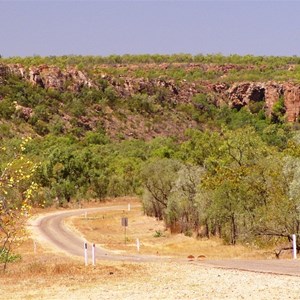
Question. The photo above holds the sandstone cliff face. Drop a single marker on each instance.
(53, 77)
(169, 91)
(241, 94)
(236, 95)
(291, 94)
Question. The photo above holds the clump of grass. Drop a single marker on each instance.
(158, 233)
(36, 268)
(188, 233)
(50, 269)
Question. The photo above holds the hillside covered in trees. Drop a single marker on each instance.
(210, 143)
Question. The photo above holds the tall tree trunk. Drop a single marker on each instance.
(207, 229)
(233, 230)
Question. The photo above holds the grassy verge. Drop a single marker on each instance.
(105, 230)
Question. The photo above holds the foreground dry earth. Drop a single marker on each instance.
(44, 273)
(149, 281)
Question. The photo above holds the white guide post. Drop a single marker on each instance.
(128, 206)
(85, 254)
(93, 254)
(138, 245)
(294, 247)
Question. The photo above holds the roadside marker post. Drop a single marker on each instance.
(85, 254)
(128, 206)
(85, 215)
(294, 247)
(125, 224)
(93, 254)
(138, 245)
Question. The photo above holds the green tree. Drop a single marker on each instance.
(158, 177)
(228, 180)
(183, 207)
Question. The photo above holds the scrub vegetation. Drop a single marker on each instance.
(233, 174)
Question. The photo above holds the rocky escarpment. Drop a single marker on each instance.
(125, 86)
(235, 95)
(51, 76)
(242, 94)
(165, 89)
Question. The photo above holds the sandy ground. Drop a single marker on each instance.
(156, 281)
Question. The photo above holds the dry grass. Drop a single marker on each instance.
(43, 274)
(57, 269)
(41, 268)
(105, 230)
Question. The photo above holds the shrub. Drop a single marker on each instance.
(158, 233)
(6, 109)
(41, 127)
(7, 257)
(278, 111)
(256, 107)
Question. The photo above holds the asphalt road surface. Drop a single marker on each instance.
(50, 229)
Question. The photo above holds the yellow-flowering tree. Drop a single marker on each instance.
(16, 190)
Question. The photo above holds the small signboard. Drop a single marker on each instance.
(124, 222)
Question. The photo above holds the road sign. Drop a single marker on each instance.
(124, 222)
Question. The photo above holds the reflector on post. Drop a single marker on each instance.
(85, 254)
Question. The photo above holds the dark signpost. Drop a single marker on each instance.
(125, 224)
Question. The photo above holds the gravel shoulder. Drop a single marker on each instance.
(162, 281)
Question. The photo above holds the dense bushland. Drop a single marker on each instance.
(234, 174)
(248, 67)
(154, 58)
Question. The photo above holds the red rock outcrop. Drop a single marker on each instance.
(291, 95)
(53, 77)
(240, 94)
(168, 89)
(23, 112)
(236, 95)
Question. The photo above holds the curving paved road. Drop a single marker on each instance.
(50, 229)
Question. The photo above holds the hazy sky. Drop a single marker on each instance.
(137, 27)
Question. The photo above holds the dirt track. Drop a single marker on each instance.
(50, 229)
